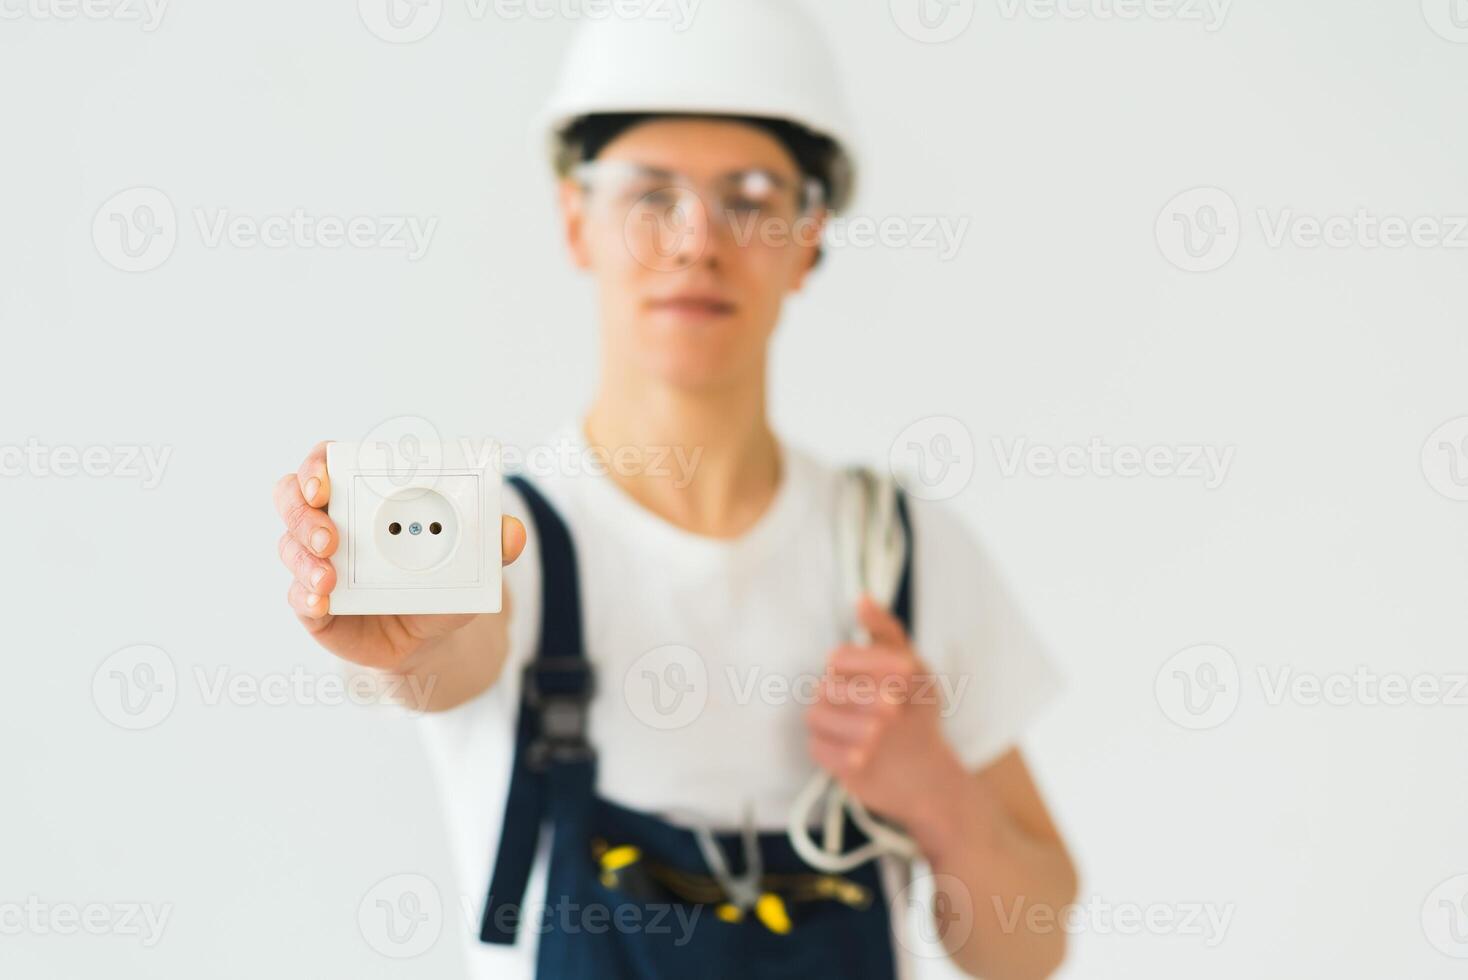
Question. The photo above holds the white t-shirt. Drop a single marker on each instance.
(705, 652)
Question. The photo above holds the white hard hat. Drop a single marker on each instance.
(762, 58)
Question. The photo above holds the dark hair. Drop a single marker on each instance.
(815, 155)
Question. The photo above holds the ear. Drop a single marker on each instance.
(573, 222)
(808, 243)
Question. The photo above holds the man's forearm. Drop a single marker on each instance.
(989, 875)
(450, 670)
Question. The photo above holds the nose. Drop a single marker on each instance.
(699, 239)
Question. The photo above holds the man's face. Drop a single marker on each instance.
(695, 230)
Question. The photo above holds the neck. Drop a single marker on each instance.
(711, 461)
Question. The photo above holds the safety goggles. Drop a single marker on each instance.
(758, 206)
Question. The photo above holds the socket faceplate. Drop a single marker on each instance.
(420, 533)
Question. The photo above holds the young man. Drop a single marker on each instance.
(674, 588)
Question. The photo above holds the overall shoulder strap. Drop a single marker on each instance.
(550, 734)
(873, 520)
(902, 604)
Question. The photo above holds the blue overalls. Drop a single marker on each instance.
(608, 924)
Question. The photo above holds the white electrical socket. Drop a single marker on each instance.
(418, 528)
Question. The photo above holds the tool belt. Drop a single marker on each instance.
(622, 868)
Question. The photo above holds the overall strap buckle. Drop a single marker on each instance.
(558, 691)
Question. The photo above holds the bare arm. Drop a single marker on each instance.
(456, 667)
(999, 863)
(1002, 873)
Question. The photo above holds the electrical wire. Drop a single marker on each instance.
(871, 546)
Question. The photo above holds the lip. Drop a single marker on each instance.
(692, 304)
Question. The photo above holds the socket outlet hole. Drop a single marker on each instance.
(401, 521)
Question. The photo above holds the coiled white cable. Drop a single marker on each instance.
(870, 549)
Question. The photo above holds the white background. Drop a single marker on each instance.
(1322, 829)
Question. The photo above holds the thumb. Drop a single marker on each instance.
(885, 628)
(512, 539)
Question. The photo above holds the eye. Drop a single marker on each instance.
(744, 205)
(656, 197)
